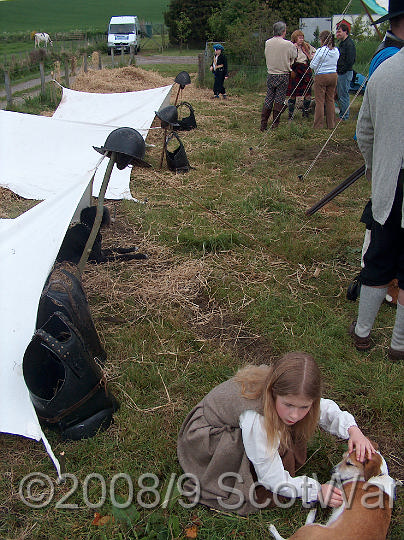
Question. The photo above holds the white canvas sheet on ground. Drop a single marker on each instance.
(28, 247)
(40, 156)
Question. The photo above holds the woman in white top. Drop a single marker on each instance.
(324, 64)
(242, 444)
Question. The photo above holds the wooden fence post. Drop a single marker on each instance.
(132, 59)
(7, 84)
(99, 61)
(42, 74)
(201, 68)
(112, 56)
(163, 37)
(85, 68)
(67, 82)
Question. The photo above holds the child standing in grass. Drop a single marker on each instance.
(245, 440)
(219, 70)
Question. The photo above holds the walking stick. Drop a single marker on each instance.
(336, 191)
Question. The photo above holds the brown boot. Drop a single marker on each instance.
(265, 114)
(276, 114)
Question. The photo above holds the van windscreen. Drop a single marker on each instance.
(121, 29)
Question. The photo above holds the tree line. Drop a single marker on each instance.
(243, 24)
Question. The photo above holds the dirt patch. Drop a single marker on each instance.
(229, 333)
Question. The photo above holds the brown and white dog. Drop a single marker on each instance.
(366, 511)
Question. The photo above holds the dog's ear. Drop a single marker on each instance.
(372, 466)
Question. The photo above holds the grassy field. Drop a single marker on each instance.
(60, 16)
(236, 274)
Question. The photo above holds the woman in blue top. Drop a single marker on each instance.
(324, 64)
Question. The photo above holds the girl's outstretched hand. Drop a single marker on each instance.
(331, 495)
(361, 444)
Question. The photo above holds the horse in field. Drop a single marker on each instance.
(42, 37)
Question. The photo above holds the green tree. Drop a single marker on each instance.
(245, 33)
(292, 10)
(215, 18)
(197, 12)
(184, 28)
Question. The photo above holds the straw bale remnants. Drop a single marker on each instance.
(126, 79)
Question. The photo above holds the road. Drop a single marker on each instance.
(140, 60)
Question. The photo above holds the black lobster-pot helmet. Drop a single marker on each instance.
(168, 116)
(129, 146)
(183, 79)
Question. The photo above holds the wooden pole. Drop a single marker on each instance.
(201, 67)
(98, 216)
(9, 94)
(371, 20)
(112, 56)
(178, 93)
(42, 74)
(164, 147)
(131, 55)
(67, 82)
(85, 67)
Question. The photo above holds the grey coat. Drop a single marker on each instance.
(380, 133)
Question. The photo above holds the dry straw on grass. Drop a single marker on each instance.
(126, 79)
(131, 79)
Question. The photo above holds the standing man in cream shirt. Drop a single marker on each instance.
(279, 55)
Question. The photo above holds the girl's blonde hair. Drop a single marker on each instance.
(295, 373)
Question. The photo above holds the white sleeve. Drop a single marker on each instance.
(268, 464)
(333, 420)
(315, 61)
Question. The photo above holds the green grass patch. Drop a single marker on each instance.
(57, 16)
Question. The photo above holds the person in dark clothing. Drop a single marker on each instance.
(219, 70)
(76, 238)
(347, 56)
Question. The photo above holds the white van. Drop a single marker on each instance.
(123, 32)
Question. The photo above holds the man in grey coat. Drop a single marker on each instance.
(380, 134)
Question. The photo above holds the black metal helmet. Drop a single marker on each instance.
(183, 79)
(129, 146)
(168, 116)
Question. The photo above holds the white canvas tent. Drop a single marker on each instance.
(50, 159)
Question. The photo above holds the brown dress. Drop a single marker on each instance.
(210, 444)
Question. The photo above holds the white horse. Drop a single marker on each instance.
(42, 37)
